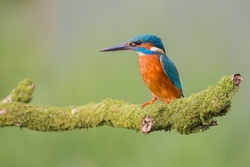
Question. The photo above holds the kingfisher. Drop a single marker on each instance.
(156, 69)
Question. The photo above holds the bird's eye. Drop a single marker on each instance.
(134, 44)
(137, 42)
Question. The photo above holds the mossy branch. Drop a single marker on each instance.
(185, 116)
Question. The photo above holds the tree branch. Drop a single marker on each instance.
(185, 116)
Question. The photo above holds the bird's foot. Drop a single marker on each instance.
(149, 102)
(169, 100)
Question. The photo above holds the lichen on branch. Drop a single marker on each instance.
(185, 116)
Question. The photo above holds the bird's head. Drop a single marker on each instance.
(144, 44)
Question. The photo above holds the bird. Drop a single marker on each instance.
(158, 72)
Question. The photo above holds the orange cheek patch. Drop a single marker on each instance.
(148, 46)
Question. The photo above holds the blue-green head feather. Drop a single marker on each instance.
(147, 38)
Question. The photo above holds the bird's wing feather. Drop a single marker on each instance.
(171, 71)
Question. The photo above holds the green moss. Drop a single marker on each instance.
(185, 116)
(22, 93)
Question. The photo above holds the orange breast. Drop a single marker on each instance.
(156, 80)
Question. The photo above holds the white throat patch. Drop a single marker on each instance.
(155, 49)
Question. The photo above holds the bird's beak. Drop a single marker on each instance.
(118, 47)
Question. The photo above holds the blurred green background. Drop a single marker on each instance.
(56, 43)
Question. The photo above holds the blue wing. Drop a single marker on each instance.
(171, 71)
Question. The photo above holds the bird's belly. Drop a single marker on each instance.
(156, 80)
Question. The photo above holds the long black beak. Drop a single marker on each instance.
(118, 47)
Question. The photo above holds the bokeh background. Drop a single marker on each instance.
(56, 43)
